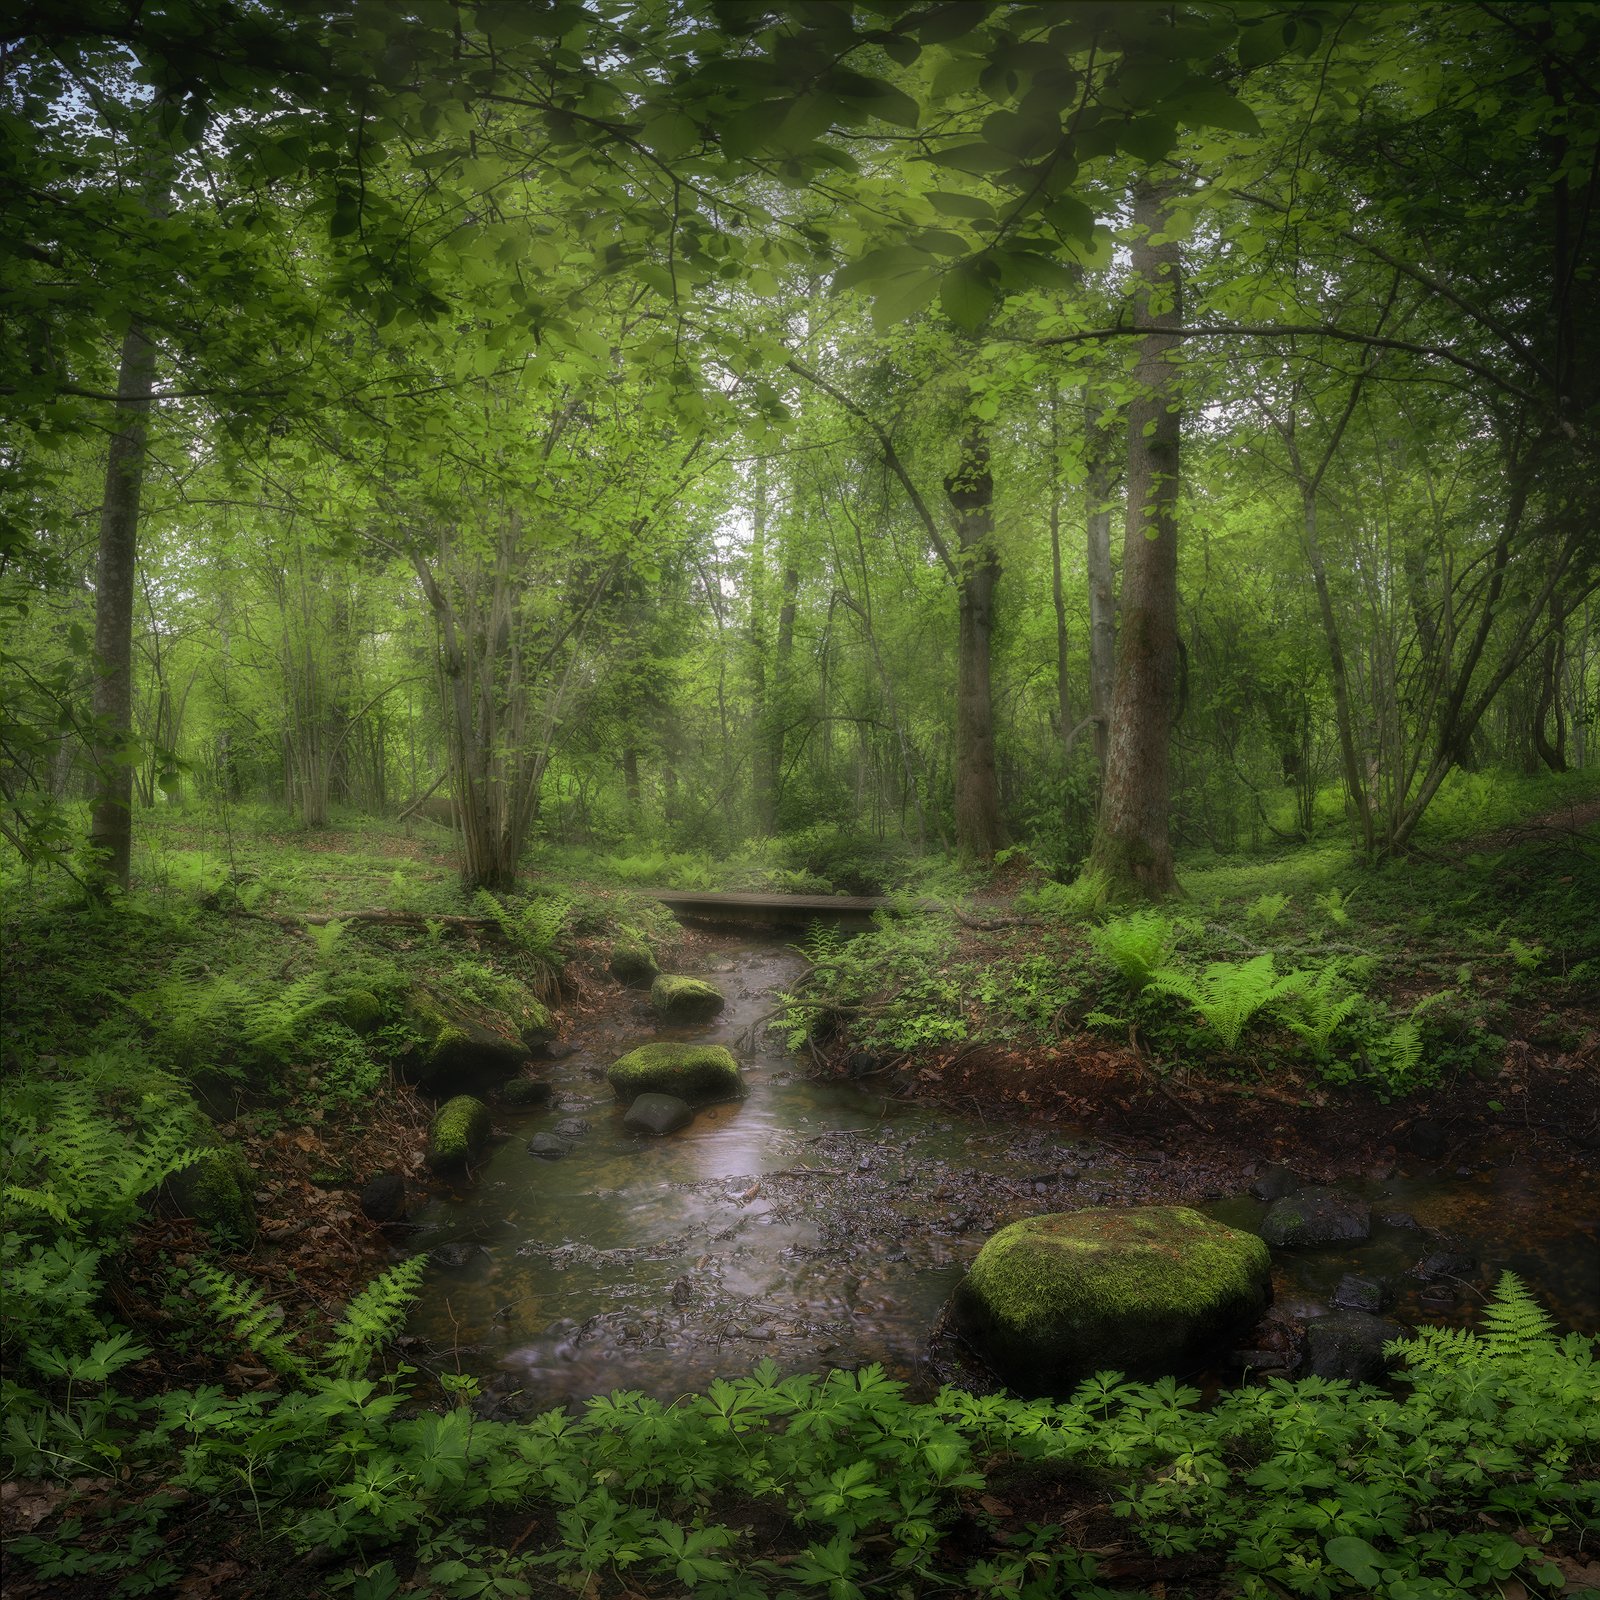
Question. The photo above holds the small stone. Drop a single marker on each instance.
(1363, 1294)
(1274, 1182)
(1446, 1264)
(862, 1064)
(1438, 1297)
(1316, 1215)
(1398, 1219)
(453, 1257)
(658, 1114)
(383, 1198)
(1426, 1138)
(547, 1147)
(570, 1128)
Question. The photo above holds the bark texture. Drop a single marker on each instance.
(1132, 842)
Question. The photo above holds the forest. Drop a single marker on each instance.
(800, 799)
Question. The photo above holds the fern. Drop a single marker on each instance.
(1137, 945)
(540, 928)
(1228, 993)
(249, 1318)
(1266, 909)
(326, 938)
(1514, 1322)
(1322, 1008)
(1335, 904)
(271, 1024)
(372, 1318)
(1086, 896)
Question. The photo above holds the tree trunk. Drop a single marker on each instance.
(970, 489)
(1099, 488)
(1058, 594)
(1132, 842)
(111, 815)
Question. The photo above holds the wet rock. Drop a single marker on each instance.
(462, 1051)
(570, 1128)
(1363, 1294)
(1150, 1290)
(1349, 1344)
(547, 1147)
(863, 1063)
(696, 1073)
(1399, 1219)
(554, 1052)
(383, 1198)
(633, 963)
(453, 1257)
(1426, 1138)
(1254, 1360)
(1316, 1215)
(458, 1133)
(685, 999)
(1446, 1263)
(1274, 1182)
(658, 1113)
(525, 1092)
(1438, 1297)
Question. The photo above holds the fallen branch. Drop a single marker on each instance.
(399, 919)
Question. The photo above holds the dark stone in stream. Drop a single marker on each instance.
(525, 1092)
(1317, 1215)
(1399, 1219)
(1349, 1344)
(554, 1052)
(1274, 1182)
(863, 1063)
(383, 1198)
(547, 1147)
(1363, 1294)
(1438, 1297)
(1445, 1264)
(454, 1257)
(658, 1113)
(570, 1128)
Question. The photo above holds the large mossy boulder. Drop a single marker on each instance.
(462, 1050)
(218, 1192)
(1148, 1291)
(633, 963)
(685, 999)
(458, 1133)
(694, 1072)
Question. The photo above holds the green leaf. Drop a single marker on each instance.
(967, 296)
(1261, 43)
(1149, 139)
(888, 262)
(903, 297)
(1355, 1556)
(960, 205)
(972, 158)
(1213, 107)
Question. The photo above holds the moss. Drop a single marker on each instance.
(361, 1010)
(525, 1092)
(1052, 1299)
(633, 962)
(693, 1072)
(458, 1132)
(685, 999)
(218, 1191)
(535, 1024)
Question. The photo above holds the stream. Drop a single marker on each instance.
(823, 1224)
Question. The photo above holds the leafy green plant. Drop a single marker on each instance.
(1334, 904)
(1266, 909)
(1321, 1003)
(1228, 994)
(325, 939)
(1086, 896)
(1137, 945)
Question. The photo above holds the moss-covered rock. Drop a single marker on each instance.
(1147, 1291)
(685, 999)
(694, 1072)
(458, 1133)
(361, 1011)
(218, 1191)
(457, 1050)
(633, 963)
(523, 1092)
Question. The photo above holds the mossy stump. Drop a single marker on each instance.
(685, 999)
(458, 1133)
(633, 963)
(694, 1072)
(1147, 1291)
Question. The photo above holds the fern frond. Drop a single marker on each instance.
(1228, 993)
(1137, 945)
(373, 1317)
(248, 1317)
(1514, 1322)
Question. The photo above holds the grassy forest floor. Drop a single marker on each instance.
(1450, 1002)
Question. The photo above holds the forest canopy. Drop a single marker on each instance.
(1081, 425)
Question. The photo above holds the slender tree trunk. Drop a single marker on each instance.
(970, 489)
(1058, 594)
(1099, 488)
(765, 772)
(111, 815)
(1132, 841)
(1551, 669)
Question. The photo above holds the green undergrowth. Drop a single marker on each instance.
(1477, 1472)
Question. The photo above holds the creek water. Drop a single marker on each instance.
(824, 1223)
